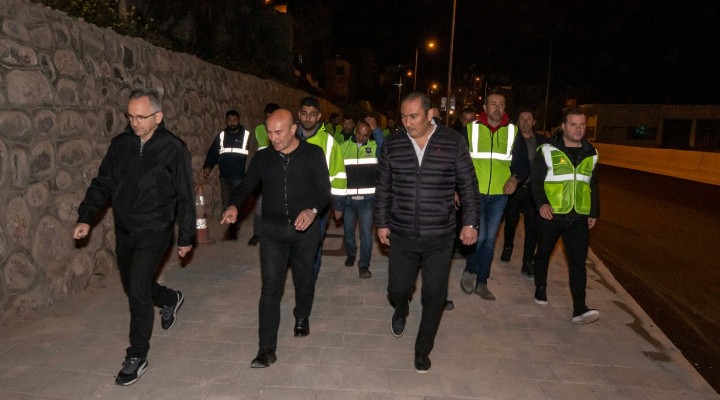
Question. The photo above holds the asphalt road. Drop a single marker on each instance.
(660, 237)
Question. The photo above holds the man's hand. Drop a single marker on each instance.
(372, 122)
(384, 235)
(183, 250)
(591, 222)
(546, 212)
(206, 172)
(510, 186)
(456, 200)
(304, 219)
(337, 215)
(230, 215)
(81, 230)
(468, 235)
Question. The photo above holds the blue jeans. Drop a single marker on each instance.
(322, 223)
(362, 211)
(480, 259)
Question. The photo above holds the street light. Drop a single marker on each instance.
(430, 45)
(452, 44)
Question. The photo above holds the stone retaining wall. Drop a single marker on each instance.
(63, 91)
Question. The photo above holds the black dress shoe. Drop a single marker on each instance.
(254, 240)
(398, 322)
(350, 261)
(302, 327)
(422, 363)
(264, 358)
(528, 269)
(506, 253)
(449, 305)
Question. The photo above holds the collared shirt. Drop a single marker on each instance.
(418, 151)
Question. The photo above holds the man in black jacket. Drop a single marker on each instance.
(295, 185)
(420, 167)
(147, 174)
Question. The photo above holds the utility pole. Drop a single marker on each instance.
(450, 66)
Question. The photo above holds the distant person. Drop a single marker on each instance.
(468, 115)
(420, 166)
(313, 131)
(263, 141)
(521, 200)
(348, 130)
(147, 174)
(564, 186)
(360, 155)
(500, 162)
(295, 185)
(391, 127)
(231, 149)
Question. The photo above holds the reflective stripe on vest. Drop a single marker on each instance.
(567, 186)
(241, 150)
(475, 143)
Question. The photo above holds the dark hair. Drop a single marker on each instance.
(270, 107)
(571, 111)
(232, 113)
(424, 100)
(333, 116)
(310, 102)
(494, 92)
(151, 94)
(346, 116)
(468, 110)
(525, 110)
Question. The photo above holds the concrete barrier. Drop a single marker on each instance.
(693, 165)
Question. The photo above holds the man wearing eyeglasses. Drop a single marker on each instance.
(231, 149)
(147, 175)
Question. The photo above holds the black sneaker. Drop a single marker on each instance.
(168, 315)
(365, 273)
(422, 364)
(132, 370)
(254, 240)
(350, 261)
(527, 270)
(540, 295)
(398, 322)
(506, 253)
(585, 317)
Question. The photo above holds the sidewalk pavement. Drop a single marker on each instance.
(511, 348)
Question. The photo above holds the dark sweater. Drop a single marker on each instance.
(290, 183)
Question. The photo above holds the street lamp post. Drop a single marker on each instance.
(452, 43)
(430, 45)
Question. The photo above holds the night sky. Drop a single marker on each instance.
(637, 51)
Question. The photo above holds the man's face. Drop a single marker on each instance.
(281, 132)
(348, 125)
(362, 133)
(391, 124)
(142, 117)
(574, 129)
(526, 121)
(415, 119)
(467, 117)
(233, 122)
(495, 107)
(309, 117)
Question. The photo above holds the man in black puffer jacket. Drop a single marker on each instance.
(419, 168)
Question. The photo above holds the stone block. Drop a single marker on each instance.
(92, 42)
(47, 67)
(91, 124)
(18, 221)
(78, 273)
(38, 194)
(27, 88)
(119, 74)
(71, 123)
(67, 93)
(63, 180)
(62, 34)
(27, 303)
(19, 167)
(41, 36)
(68, 64)
(19, 273)
(51, 246)
(15, 124)
(4, 162)
(15, 30)
(128, 57)
(42, 160)
(14, 54)
(46, 123)
(104, 268)
(74, 153)
(66, 206)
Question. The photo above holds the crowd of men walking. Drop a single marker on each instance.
(431, 192)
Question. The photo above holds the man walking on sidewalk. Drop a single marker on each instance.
(147, 174)
(420, 166)
(564, 185)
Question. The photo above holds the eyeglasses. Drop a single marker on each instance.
(139, 118)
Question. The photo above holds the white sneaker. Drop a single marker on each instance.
(587, 317)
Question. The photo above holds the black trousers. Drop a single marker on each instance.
(521, 202)
(138, 259)
(282, 245)
(575, 235)
(406, 256)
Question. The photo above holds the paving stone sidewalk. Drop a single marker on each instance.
(511, 348)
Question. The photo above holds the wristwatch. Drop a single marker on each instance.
(314, 210)
(473, 226)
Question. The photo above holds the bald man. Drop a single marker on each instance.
(288, 169)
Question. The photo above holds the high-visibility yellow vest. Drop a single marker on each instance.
(334, 160)
(567, 187)
(262, 137)
(491, 155)
(361, 167)
(240, 150)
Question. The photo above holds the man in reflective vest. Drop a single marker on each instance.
(231, 149)
(261, 136)
(500, 163)
(360, 155)
(564, 185)
(312, 130)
